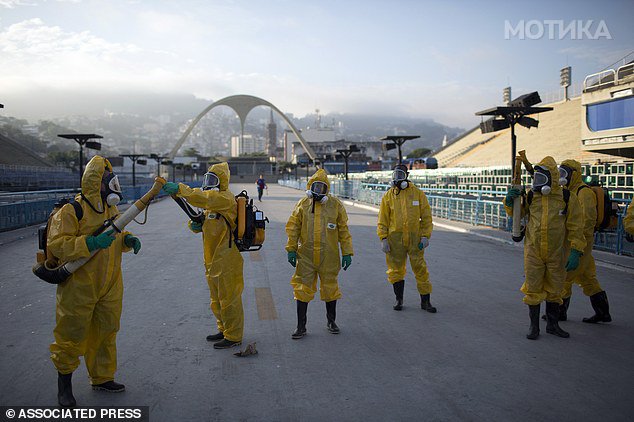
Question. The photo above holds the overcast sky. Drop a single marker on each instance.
(441, 59)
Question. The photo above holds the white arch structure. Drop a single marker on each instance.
(242, 105)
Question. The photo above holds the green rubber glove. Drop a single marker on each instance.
(573, 260)
(195, 227)
(424, 242)
(292, 258)
(132, 242)
(346, 261)
(170, 188)
(101, 241)
(511, 195)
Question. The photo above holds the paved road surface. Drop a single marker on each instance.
(470, 361)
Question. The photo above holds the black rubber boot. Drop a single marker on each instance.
(599, 302)
(563, 310)
(331, 315)
(65, 396)
(109, 386)
(533, 313)
(552, 321)
(215, 337)
(425, 304)
(302, 307)
(398, 287)
(226, 344)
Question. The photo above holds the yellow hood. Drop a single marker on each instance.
(91, 180)
(319, 176)
(576, 179)
(550, 164)
(222, 171)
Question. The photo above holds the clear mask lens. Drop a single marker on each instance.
(210, 181)
(113, 184)
(540, 179)
(319, 188)
(563, 173)
(399, 175)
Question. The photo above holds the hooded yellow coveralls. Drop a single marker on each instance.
(405, 217)
(89, 303)
(547, 233)
(586, 274)
(316, 239)
(223, 262)
(628, 221)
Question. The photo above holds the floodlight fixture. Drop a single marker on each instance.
(515, 112)
(136, 158)
(528, 122)
(396, 142)
(83, 139)
(346, 153)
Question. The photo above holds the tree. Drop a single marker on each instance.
(68, 159)
(191, 152)
(419, 152)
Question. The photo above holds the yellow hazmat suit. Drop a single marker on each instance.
(547, 233)
(316, 238)
(405, 217)
(223, 262)
(586, 274)
(628, 221)
(89, 303)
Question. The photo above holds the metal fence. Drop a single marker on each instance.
(22, 209)
(473, 207)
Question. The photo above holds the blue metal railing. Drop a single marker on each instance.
(22, 209)
(473, 207)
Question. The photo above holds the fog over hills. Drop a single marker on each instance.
(46, 104)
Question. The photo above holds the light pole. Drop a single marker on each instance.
(83, 139)
(396, 142)
(346, 153)
(159, 160)
(515, 112)
(135, 158)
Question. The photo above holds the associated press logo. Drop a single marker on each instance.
(83, 414)
(554, 29)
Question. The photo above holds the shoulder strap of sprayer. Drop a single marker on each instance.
(229, 229)
(566, 195)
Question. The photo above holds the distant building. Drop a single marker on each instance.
(272, 137)
(247, 145)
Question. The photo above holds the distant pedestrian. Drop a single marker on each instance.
(261, 186)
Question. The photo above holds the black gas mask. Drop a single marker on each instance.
(211, 182)
(565, 175)
(542, 181)
(399, 177)
(110, 189)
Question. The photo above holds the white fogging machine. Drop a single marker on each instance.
(49, 269)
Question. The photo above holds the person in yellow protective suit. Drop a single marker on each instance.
(89, 303)
(316, 228)
(404, 227)
(553, 223)
(223, 262)
(586, 275)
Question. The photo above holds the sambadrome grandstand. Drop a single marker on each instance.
(595, 128)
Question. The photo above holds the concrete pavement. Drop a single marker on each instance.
(470, 361)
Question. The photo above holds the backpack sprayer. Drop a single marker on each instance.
(60, 273)
(249, 233)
